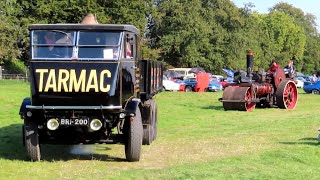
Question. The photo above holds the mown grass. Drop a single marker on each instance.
(197, 140)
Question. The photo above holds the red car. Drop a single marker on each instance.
(226, 82)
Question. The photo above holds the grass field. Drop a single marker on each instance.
(197, 139)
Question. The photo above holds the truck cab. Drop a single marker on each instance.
(88, 84)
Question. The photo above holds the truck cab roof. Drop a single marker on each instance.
(111, 27)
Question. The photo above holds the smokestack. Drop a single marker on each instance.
(249, 63)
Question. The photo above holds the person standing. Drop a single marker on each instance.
(290, 68)
(314, 78)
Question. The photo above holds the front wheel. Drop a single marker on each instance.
(31, 140)
(134, 133)
(314, 91)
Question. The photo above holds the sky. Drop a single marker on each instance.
(307, 6)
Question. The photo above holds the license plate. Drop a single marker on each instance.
(74, 122)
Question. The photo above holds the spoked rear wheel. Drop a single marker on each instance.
(31, 139)
(287, 95)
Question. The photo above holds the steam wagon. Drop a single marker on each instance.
(260, 89)
(89, 85)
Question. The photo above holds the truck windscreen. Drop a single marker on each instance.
(67, 45)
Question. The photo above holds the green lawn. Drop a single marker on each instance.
(197, 139)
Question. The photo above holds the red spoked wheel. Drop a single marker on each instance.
(250, 105)
(238, 98)
(287, 95)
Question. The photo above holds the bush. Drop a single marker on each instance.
(15, 67)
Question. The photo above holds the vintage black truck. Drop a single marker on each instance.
(89, 85)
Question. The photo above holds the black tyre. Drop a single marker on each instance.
(23, 136)
(147, 135)
(155, 119)
(148, 128)
(134, 137)
(188, 89)
(315, 91)
(31, 139)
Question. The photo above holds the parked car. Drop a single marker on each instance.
(182, 85)
(300, 82)
(312, 88)
(189, 84)
(217, 77)
(214, 86)
(183, 72)
(169, 85)
(307, 79)
(226, 82)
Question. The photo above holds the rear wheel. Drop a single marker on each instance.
(155, 120)
(134, 133)
(31, 139)
(148, 129)
(287, 95)
(188, 89)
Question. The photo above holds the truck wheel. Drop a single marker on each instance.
(23, 136)
(147, 135)
(155, 120)
(134, 137)
(31, 139)
(148, 128)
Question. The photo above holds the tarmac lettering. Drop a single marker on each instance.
(68, 81)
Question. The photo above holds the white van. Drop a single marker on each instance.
(184, 72)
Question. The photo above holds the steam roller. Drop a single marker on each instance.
(260, 89)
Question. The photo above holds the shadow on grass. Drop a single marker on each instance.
(11, 148)
(218, 108)
(306, 141)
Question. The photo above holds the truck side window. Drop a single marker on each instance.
(128, 46)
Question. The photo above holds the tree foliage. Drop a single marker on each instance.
(310, 58)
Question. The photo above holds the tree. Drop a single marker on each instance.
(9, 31)
(72, 11)
(310, 60)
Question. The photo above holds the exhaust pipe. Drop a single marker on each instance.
(95, 124)
(52, 124)
(249, 64)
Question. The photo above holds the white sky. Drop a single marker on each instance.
(307, 6)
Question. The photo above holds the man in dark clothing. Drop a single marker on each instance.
(48, 51)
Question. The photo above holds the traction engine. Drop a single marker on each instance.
(259, 89)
